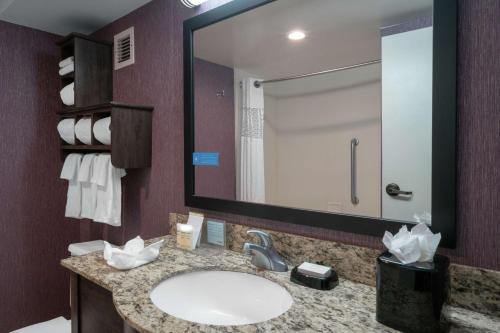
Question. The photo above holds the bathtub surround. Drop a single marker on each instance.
(35, 234)
(471, 288)
(349, 305)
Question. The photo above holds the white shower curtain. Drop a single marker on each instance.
(252, 183)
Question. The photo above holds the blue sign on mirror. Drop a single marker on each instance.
(206, 159)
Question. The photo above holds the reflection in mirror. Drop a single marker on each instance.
(322, 105)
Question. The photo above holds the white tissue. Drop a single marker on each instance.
(68, 94)
(134, 254)
(102, 131)
(419, 244)
(83, 130)
(66, 129)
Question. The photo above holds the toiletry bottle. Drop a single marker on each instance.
(185, 236)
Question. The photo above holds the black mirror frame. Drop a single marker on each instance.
(443, 137)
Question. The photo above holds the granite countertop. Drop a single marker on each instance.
(350, 307)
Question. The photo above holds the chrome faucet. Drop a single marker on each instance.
(263, 255)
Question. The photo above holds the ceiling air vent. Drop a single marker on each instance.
(124, 48)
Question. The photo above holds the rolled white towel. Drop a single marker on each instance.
(66, 129)
(83, 130)
(68, 94)
(67, 69)
(102, 131)
(66, 62)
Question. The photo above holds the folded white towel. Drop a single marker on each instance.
(68, 94)
(70, 172)
(66, 129)
(57, 325)
(83, 130)
(89, 190)
(134, 254)
(109, 191)
(66, 62)
(67, 69)
(102, 131)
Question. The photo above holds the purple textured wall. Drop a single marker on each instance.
(157, 79)
(34, 234)
(214, 128)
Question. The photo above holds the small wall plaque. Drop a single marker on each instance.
(216, 232)
(206, 159)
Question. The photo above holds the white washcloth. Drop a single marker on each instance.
(70, 172)
(89, 190)
(134, 254)
(68, 94)
(67, 69)
(66, 62)
(83, 130)
(66, 129)
(102, 131)
(109, 191)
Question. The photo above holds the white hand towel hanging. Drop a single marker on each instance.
(89, 189)
(109, 191)
(100, 174)
(70, 172)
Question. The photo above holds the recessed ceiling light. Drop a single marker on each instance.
(296, 35)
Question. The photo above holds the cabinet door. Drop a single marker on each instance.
(92, 309)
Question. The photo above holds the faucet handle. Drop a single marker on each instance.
(264, 237)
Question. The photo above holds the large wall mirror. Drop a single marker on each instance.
(331, 113)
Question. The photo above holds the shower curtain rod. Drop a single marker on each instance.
(257, 84)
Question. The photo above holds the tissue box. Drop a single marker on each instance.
(410, 297)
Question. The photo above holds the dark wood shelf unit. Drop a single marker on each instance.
(93, 73)
(131, 133)
(86, 147)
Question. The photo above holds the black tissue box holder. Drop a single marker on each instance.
(410, 297)
(326, 283)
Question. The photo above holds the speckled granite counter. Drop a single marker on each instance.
(348, 308)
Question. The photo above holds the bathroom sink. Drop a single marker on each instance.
(221, 298)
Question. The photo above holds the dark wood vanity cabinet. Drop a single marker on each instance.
(92, 309)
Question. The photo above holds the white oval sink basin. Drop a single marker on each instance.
(221, 298)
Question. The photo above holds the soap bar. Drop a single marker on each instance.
(315, 270)
(325, 283)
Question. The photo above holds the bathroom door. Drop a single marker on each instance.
(407, 124)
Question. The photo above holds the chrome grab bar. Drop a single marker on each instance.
(354, 196)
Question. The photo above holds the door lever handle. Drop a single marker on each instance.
(394, 190)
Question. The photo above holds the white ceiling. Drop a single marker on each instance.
(65, 16)
(339, 33)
